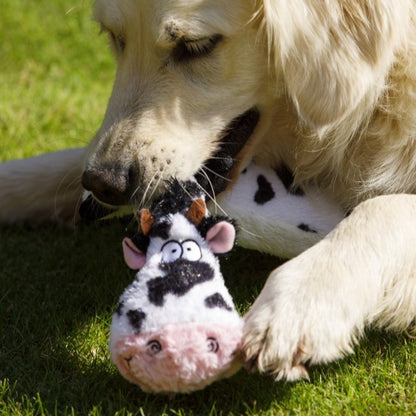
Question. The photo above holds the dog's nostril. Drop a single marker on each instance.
(109, 185)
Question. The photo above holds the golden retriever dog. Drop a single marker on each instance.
(326, 87)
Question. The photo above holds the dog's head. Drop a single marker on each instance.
(194, 75)
(189, 73)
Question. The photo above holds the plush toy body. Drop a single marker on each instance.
(274, 216)
(176, 328)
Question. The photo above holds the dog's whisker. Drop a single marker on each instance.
(137, 190)
(133, 222)
(217, 207)
(224, 143)
(78, 203)
(247, 231)
(185, 190)
(142, 201)
(221, 158)
(59, 188)
(143, 198)
(159, 176)
(209, 182)
(217, 174)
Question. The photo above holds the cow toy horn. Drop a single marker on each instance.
(197, 211)
(146, 221)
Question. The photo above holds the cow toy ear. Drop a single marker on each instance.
(221, 237)
(134, 257)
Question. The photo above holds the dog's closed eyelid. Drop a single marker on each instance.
(190, 49)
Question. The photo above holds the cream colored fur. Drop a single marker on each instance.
(314, 307)
(335, 84)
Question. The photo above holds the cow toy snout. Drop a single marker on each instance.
(178, 358)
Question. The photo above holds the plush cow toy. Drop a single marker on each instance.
(176, 328)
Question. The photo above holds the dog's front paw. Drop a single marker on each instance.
(309, 312)
(272, 341)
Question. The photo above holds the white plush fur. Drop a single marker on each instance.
(273, 226)
(335, 85)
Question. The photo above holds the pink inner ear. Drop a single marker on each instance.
(221, 237)
(134, 257)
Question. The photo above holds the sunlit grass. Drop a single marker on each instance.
(55, 76)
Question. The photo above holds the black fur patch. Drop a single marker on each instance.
(305, 227)
(136, 318)
(182, 275)
(287, 178)
(161, 229)
(208, 222)
(177, 198)
(140, 240)
(216, 301)
(265, 192)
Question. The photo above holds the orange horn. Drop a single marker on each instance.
(146, 221)
(196, 211)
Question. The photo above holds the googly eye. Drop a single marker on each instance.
(212, 344)
(191, 250)
(171, 251)
(153, 347)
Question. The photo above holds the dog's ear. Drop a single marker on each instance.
(335, 55)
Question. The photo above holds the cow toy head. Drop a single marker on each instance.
(176, 328)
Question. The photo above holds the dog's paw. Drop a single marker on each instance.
(273, 343)
(307, 313)
(260, 356)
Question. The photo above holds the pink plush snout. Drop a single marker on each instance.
(179, 358)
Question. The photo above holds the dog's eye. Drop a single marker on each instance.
(117, 42)
(187, 49)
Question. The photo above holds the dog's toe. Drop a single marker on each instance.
(270, 348)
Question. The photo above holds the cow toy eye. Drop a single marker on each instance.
(153, 347)
(171, 251)
(191, 250)
(212, 344)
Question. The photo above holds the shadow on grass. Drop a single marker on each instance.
(377, 352)
(58, 291)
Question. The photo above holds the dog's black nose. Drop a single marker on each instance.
(109, 185)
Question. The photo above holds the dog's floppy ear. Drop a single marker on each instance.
(335, 55)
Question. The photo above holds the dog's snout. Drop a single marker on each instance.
(109, 185)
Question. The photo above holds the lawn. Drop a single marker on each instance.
(59, 286)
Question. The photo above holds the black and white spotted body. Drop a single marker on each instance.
(276, 217)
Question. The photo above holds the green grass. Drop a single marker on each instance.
(58, 286)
